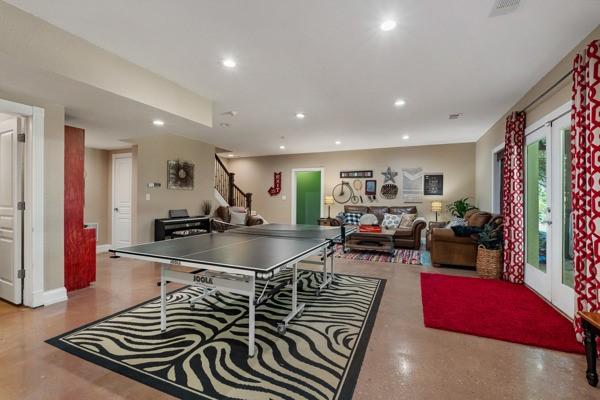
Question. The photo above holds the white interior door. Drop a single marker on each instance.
(11, 193)
(122, 199)
(538, 211)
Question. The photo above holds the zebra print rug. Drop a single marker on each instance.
(203, 354)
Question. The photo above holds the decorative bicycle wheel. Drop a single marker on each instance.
(342, 193)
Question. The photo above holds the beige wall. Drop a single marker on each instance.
(96, 186)
(456, 161)
(54, 150)
(495, 135)
(152, 156)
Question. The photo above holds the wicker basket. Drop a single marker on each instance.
(489, 263)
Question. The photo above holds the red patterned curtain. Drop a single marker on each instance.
(585, 174)
(512, 196)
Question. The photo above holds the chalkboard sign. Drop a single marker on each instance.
(433, 185)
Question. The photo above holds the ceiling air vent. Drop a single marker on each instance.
(502, 7)
(454, 116)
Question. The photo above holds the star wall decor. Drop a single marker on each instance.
(389, 175)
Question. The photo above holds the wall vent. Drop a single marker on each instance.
(502, 7)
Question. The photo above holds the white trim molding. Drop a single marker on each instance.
(294, 171)
(103, 248)
(55, 296)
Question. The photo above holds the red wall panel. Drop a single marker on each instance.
(77, 265)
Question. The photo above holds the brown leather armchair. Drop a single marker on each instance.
(221, 220)
(448, 249)
(408, 238)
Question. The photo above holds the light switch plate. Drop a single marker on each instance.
(147, 196)
(284, 197)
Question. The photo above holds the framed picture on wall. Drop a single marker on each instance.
(371, 187)
(433, 185)
(180, 175)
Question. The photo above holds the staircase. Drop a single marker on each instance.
(226, 187)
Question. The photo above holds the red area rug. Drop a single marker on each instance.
(494, 309)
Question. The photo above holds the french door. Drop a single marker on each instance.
(548, 227)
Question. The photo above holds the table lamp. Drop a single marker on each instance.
(436, 207)
(328, 202)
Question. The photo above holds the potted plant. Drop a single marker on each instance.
(206, 207)
(459, 207)
(489, 252)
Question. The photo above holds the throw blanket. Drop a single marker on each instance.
(465, 231)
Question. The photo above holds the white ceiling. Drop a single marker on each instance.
(330, 60)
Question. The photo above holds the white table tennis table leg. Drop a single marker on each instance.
(163, 299)
(327, 278)
(297, 308)
(251, 318)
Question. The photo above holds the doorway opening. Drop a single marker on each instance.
(308, 195)
(21, 204)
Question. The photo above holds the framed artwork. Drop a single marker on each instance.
(180, 175)
(356, 174)
(433, 184)
(371, 187)
(412, 185)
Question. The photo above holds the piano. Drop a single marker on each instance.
(180, 224)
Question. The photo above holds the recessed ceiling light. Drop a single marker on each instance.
(300, 115)
(282, 147)
(399, 102)
(229, 63)
(388, 25)
(158, 122)
(405, 137)
(231, 155)
(338, 142)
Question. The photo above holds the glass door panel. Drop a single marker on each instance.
(537, 204)
(567, 225)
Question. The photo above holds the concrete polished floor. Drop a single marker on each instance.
(404, 359)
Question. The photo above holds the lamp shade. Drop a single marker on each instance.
(436, 206)
(329, 200)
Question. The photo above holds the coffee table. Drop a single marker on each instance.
(372, 241)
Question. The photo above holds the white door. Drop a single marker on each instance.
(11, 193)
(548, 214)
(538, 210)
(561, 270)
(121, 210)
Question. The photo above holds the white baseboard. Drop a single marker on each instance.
(55, 296)
(103, 248)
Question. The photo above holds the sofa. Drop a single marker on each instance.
(221, 220)
(408, 238)
(448, 249)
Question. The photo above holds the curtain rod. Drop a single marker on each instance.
(541, 96)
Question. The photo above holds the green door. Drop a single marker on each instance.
(308, 197)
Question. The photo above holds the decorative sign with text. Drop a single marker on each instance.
(276, 188)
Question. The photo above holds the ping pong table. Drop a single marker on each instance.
(233, 261)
